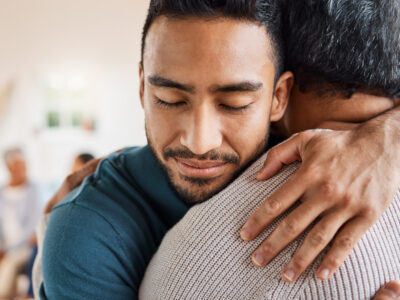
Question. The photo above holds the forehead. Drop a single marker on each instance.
(217, 50)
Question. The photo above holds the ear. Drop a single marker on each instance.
(141, 88)
(282, 94)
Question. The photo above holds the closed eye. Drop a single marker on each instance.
(168, 104)
(235, 109)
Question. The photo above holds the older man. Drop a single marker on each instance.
(202, 257)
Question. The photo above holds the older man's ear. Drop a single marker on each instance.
(282, 94)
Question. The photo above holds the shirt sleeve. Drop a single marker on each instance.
(83, 258)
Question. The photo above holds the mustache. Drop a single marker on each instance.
(211, 155)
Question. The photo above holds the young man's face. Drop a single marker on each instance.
(207, 88)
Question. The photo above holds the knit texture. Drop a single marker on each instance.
(203, 257)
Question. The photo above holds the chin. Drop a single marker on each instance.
(197, 190)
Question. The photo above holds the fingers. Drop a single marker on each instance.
(52, 202)
(75, 179)
(343, 244)
(316, 240)
(71, 182)
(287, 231)
(273, 207)
(282, 154)
(389, 291)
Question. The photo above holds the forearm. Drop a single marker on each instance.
(386, 129)
(392, 119)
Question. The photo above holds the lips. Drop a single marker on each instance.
(200, 169)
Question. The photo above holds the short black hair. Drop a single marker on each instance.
(11, 153)
(264, 12)
(351, 44)
(85, 157)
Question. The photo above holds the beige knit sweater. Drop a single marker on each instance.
(202, 257)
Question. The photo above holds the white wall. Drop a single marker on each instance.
(98, 40)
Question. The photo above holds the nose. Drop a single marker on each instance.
(202, 132)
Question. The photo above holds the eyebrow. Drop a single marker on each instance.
(245, 86)
(168, 83)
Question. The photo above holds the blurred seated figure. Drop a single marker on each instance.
(81, 160)
(20, 210)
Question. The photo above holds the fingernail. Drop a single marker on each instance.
(258, 176)
(258, 259)
(394, 288)
(244, 234)
(288, 275)
(324, 274)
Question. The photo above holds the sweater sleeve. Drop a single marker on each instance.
(83, 258)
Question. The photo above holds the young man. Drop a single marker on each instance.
(203, 256)
(207, 101)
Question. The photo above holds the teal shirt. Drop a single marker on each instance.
(101, 238)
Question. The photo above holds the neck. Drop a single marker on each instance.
(333, 110)
(16, 182)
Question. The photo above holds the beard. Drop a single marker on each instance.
(198, 190)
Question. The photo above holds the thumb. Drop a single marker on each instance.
(390, 291)
(285, 153)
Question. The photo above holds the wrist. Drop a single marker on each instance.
(384, 132)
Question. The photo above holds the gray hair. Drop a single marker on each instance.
(12, 154)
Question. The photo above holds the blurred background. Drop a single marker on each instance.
(69, 80)
(68, 85)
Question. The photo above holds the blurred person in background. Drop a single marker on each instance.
(20, 210)
(82, 166)
(81, 160)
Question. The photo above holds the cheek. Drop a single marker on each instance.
(162, 126)
(246, 133)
